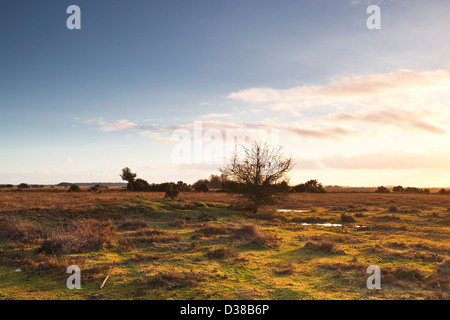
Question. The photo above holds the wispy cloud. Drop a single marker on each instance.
(406, 99)
(397, 118)
(217, 115)
(120, 125)
(328, 133)
(433, 158)
(348, 89)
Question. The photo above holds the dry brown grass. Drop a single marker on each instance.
(222, 253)
(285, 269)
(15, 229)
(215, 230)
(83, 235)
(60, 199)
(253, 235)
(11, 201)
(148, 235)
(325, 246)
(172, 279)
(133, 224)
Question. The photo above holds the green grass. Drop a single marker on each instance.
(403, 245)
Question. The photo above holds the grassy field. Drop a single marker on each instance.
(202, 246)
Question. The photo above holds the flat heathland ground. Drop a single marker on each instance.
(204, 246)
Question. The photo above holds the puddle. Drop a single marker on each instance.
(292, 210)
(323, 224)
(336, 225)
(330, 225)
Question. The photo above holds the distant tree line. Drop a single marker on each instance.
(400, 189)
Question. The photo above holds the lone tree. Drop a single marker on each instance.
(257, 174)
(128, 176)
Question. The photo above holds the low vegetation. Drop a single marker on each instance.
(200, 246)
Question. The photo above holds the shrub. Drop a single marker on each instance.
(134, 224)
(215, 182)
(140, 185)
(83, 235)
(200, 182)
(254, 235)
(382, 189)
(57, 265)
(408, 274)
(398, 189)
(74, 188)
(393, 208)
(311, 186)
(416, 190)
(222, 253)
(286, 269)
(95, 188)
(326, 246)
(179, 223)
(23, 186)
(14, 229)
(203, 187)
(172, 192)
(347, 218)
(215, 230)
(203, 217)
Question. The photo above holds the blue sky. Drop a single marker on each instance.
(78, 105)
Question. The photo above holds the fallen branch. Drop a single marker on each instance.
(104, 281)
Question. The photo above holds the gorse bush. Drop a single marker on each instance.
(172, 192)
(140, 185)
(410, 190)
(311, 186)
(347, 218)
(203, 187)
(382, 189)
(74, 188)
(393, 208)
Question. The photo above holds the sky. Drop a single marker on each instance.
(352, 106)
